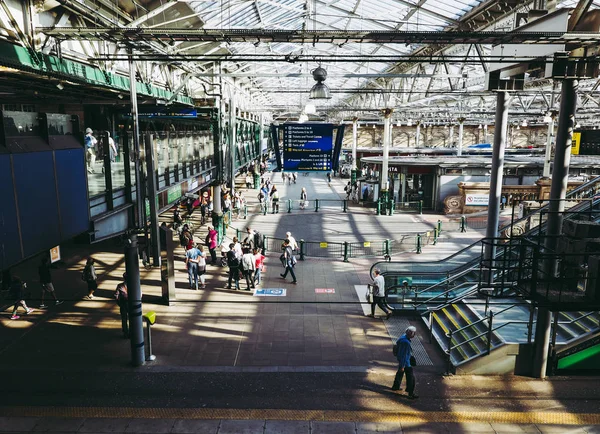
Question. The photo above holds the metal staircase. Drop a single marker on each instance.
(467, 325)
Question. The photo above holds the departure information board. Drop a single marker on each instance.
(307, 147)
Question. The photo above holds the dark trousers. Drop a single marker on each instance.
(410, 379)
(213, 255)
(249, 276)
(291, 270)
(379, 301)
(234, 273)
(124, 310)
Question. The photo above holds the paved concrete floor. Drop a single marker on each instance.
(220, 350)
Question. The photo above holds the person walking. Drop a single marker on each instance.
(191, 262)
(259, 260)
(328, 178)
(289, 261)
(90, 277)
(275, 199)
(90, 153)
(303, 198)
(379, 295)
(234, 267)
(122, 298)
(202, 266)
(248, 267)
(17, 292)
(406, 362)
(46, 281)
(212, 244)
(292, 240)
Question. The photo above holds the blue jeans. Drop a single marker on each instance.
(193, 274)
(257, 276)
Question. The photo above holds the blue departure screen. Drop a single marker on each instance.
(307, 147)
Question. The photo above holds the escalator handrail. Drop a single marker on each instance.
(463, 250)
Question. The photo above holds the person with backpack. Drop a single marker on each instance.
(248, 267)
(17, 292)
(289, 261)
(234, 267)
(186, 239)
(89, 276)
(122, 298)
(406, 362)
(46, 281)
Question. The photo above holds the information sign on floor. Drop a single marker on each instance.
(270, 292)
(325, 290)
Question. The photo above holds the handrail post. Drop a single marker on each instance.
(439, 226)
(392, 205)
(266, 205)
(431, 314)
(489, 334)
(530, 323)
(238, 233)
(264, 240)
(463, 223)
(345, 205)
(302, 251)
(386, 248)
(378, 206)
(435, 235)
(420, 207)
(245, 211)
(346, 248)
(289, 201)
(419, 248)
(316, 205)
(449, 352)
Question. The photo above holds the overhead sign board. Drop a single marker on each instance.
(307, 147)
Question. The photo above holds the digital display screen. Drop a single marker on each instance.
(307, 147)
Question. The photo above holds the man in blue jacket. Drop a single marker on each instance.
(404, 366)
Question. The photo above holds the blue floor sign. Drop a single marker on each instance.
(270, 292)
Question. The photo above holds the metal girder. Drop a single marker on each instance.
(314, 37)
(154, 12)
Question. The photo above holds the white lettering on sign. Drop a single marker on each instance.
(477, 200)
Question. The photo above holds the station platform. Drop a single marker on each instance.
(230, 361)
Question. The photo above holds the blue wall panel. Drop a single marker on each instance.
(10, 244)
(38, 207)
(72, 192)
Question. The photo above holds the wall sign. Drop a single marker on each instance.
(477, 200)
(307, 147)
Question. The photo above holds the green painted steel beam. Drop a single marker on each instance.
(17, 57)
(585, 359)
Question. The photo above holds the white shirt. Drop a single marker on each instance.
(380, 282)
(293, 243)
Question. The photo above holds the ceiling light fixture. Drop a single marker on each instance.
(310, 109)
(320, 89)
(524, 123)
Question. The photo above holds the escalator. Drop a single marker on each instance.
(430, 277)
(441, 291)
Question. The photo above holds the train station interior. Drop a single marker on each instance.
(256, 216)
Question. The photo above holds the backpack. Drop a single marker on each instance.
(207, 240)
(184, 238)
(86, 274)
(275, 195)
(233, 261)
(395, 350)
(258, 240)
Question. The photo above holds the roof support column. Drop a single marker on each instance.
(354, 141)
(387, 130)
(451, 137)
(489, 253)
(459, 145)
(132, 266)
(418, 135)
(232, 137)
(558, 193)
(548, 155)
